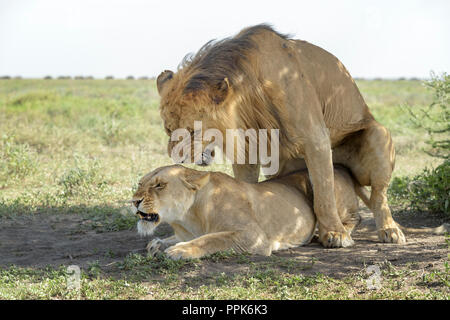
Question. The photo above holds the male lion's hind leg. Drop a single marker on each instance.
(388, 230)
(370, 156)
(378, 154)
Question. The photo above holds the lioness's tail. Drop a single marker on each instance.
(363, 193)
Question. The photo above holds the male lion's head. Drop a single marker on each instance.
(165, 195)
(222, 87)
(185, 100)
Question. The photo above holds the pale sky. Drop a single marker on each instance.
(379, 38)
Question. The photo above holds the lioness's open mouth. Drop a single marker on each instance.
(150, 217)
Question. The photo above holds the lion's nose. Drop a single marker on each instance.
(137, 203)
(207, 158)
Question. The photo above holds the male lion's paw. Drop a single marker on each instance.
(155, 246)
(182, 251)
(333, 239)
(391, 235)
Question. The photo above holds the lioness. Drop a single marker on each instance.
(261, 79)
(211, 211)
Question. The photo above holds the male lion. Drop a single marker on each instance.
(211, 211)
(261, 79)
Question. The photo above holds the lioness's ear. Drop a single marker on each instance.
(220, 91)
(162, 79)
(195, 180)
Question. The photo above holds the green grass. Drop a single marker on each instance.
(80, 146)
(72, 139)
(95, 138)
(161, 278)
(49, 283)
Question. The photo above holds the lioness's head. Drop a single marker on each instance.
(165, 195)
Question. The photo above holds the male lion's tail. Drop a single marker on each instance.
(363, 193)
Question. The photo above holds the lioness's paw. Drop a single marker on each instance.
(334, 239)
(182, 251)
(391, 235)
(155, 246)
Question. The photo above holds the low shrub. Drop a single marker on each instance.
(427, 191)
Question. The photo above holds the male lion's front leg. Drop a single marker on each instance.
(332, 232)
(246, 172)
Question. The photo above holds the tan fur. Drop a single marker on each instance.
(222, 213)
(261, 79)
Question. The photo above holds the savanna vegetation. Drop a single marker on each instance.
(76, 148)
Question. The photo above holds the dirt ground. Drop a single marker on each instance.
(54, 240)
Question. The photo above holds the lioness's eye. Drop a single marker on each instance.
(159, 186)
